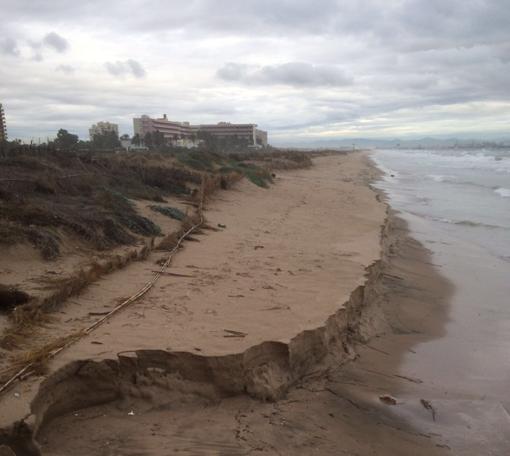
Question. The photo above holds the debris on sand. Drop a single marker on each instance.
(429, 407)
(231, 333)
(388, 400)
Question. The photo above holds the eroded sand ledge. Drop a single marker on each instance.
(291, 272)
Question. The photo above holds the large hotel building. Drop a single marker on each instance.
(3, 128)
(185, 131)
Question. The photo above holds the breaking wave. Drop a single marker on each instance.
(487, 160)
(475, 224)
(504, 192)
(468, 223)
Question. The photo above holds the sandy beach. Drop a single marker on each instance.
(254, 228)
(242, 347)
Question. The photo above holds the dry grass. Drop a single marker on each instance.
(84, 195)
(87, 195)
(24, 322)
(37, 358)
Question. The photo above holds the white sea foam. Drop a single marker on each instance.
(504, 192)
(459, 159)
(389, 174)
(441, 178)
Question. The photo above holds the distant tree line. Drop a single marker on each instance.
(106, 140)
(109, 141)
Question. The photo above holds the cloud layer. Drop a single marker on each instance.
(291, 73)
(324, 69)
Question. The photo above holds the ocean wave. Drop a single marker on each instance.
(442, 178)
(471, 223)
(475, 224)
(388, 174)
(459, 159)
(449, 179)
(504, 192)
(468, 223)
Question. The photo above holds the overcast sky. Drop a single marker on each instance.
(318, 69)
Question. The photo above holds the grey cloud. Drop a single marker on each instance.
(415, 24)
(128, 67)
(52, 41)
(136, 68)
(116, 68)
(9, 46)
(291, 73)
(232, 71)
(55, 41)
(303, 74)
(67, 69)
(405, 56)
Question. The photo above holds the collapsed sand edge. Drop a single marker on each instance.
(264, 371)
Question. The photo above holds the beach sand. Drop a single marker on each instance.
(287, 272)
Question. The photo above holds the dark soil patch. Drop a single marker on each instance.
(10, 297)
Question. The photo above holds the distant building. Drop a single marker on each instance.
(3, 127)
(227, 130)
(171, 130)
(103, 127)
(260, 137)
(182, 133)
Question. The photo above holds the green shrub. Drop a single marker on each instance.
(171, 212)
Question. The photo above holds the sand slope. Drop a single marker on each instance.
(288, 259)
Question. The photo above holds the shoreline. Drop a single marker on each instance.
(462, 373)
(272, 382)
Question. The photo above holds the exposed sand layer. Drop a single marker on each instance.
(274, 299)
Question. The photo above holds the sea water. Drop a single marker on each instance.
(457, 203)
(466, 193)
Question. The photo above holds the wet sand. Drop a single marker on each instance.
(463, 373)
(290, 262)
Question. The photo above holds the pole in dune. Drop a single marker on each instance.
(3, 128)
